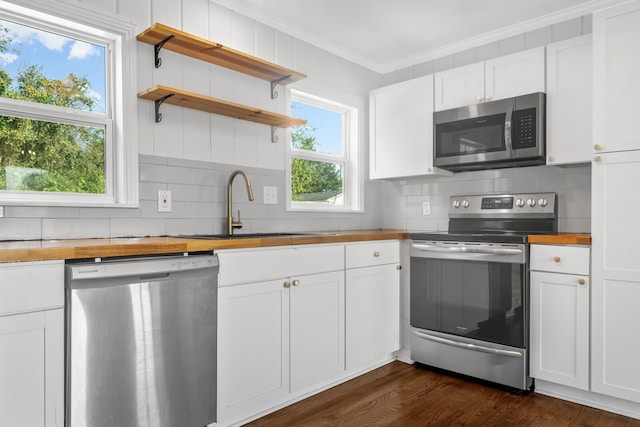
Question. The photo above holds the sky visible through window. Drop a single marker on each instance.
(58, 56)
(327, 126)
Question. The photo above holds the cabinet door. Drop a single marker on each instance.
(317, 329)
(401, 129)
(32, 369)
(373, 319)
(616, 67)
(253, 348)
(516, 74)
(615, 276)
(569, 101)
(459, 86)
(560, 328)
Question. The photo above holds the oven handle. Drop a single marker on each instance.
(468, 249)
(469, 346)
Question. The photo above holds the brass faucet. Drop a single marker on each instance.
(231, 224)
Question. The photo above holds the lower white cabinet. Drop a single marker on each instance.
(560, 314)
(279, 337)
(32, 344)
(372, 302)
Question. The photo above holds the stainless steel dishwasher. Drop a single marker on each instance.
(141, 341)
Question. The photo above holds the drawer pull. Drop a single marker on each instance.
(581, 281)
(556, 258)
(287, 284)
(296, 282)
(376, 254)
(398, 267)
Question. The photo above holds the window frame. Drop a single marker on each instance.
(119, 119)
(352, 180)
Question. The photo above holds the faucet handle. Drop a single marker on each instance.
(238, 223)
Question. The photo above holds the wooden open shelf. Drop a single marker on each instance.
(163, 36)
(163, 94)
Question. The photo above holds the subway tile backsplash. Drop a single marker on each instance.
(402, 207)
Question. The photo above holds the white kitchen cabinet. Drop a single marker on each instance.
(32, 344)
(372, 303)
(615, 289)
(401, 130)
(616, 67)
(280, 337)
(615, 317)
(569, 101)
(499, 78)
(560, 314)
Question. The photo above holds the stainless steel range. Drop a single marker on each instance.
(470, 286)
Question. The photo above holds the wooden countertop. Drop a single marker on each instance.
(561, 239)
(39, 250)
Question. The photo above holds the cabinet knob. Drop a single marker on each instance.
(598, 146)
(478, 99)
(597, 159)
(556, 258)
(487, 98)
(296, 282)
(581, 281)
(287, 284)
(398, 267)
(376, 254)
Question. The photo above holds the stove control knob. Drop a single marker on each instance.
(456, 204)
(543, 202)
(519, 203)
(531, 202)
(465, 204)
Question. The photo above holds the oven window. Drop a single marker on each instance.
(480, 300)
(470, 136)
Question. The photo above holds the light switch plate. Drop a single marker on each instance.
(426, 208)
(270, 195)
(164, 201)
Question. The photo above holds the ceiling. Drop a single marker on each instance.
(387, 35)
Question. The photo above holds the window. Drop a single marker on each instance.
(63, 108)
(323, 156)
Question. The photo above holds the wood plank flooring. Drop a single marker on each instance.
(398, 394)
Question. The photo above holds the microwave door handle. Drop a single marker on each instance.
(508, 134)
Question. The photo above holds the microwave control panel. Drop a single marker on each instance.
(523, 125)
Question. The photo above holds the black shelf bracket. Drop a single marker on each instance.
(274, 83)
(157, 49)
(158, 103)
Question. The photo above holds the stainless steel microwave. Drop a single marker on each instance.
(497, 134)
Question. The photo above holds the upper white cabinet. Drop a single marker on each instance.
(616, 67)
(32, 344)
(504, 77)
(570, 101)
(615, 320)
(401, 130)
(560, 314)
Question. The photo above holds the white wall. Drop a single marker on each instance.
(192, 153)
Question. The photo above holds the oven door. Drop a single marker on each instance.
(473, 290)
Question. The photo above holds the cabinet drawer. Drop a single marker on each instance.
(257, 265)
(29, 286)
(560, 259)
(372, 253)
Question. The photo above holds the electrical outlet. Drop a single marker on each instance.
(270, 195)
(426, 208)
(164, 201)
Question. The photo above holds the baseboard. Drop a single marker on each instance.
(589, 398)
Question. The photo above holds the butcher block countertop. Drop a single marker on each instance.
(561, 239)
(39, 250)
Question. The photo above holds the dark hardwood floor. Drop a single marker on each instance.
(398, 394)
